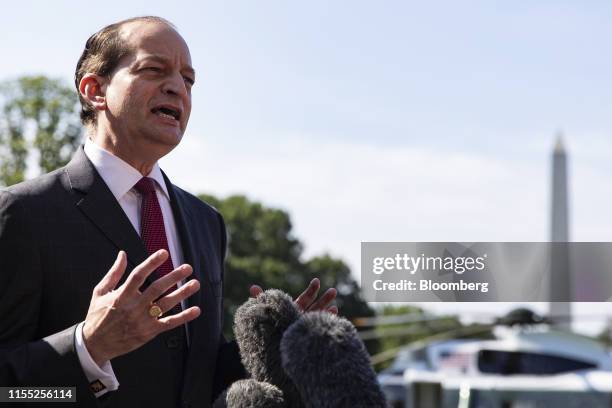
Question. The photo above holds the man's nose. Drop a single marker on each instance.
(175, 85)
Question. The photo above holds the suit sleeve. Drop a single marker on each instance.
(229, 367)
(26, 360)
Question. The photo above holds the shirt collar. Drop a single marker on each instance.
(119, 176)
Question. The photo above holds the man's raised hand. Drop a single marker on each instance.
(118, 319)
(308, 301)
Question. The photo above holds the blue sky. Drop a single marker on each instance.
(392, 120)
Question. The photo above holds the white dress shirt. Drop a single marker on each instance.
(120, 178)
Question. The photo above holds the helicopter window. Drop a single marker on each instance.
(512, 362)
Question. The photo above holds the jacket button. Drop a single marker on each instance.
(173, 342)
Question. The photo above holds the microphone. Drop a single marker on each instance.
(250, 393)
(329, 364)
(259, 325)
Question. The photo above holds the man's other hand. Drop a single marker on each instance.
(118, 319)
(307, 301)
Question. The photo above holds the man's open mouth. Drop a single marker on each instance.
(167, 112)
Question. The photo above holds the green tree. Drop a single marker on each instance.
(263, 250)
(40, 114)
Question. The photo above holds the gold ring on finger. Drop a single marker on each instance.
(155, 311)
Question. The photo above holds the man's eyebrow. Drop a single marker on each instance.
(164, 60)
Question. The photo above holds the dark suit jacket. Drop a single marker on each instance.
(59, 235)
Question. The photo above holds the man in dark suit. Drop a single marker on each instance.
(147, 331)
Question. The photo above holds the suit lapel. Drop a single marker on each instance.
(187, 235)
(191, 243)
(98, 204)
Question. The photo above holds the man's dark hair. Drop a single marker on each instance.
(101, 55)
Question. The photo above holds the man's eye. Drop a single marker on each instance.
(153, 69)
(190, 81)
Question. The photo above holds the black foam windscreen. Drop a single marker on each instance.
(251, 393)
(259, 325)
(329, 364)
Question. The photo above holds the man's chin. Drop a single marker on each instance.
(168, 137)
(163, 143)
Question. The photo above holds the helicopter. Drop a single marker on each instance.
(521, 362)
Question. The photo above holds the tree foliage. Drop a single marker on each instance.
(37, 114)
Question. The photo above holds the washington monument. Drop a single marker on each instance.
(560, 276)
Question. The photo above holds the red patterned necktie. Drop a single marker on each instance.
(152, 230)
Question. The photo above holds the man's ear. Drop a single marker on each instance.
(93, 89)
